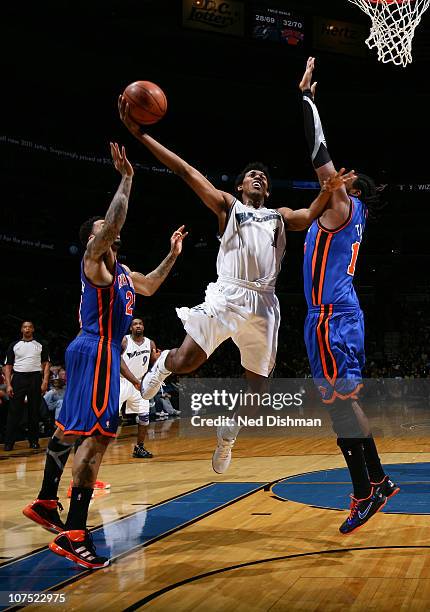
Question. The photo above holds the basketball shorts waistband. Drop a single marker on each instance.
(86, 336)
(253, 285)
(335, 308)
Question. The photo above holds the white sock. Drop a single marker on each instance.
(162, 361)
(230, 431)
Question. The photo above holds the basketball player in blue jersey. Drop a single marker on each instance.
(90, 405)
(241, 304)
(334, 328)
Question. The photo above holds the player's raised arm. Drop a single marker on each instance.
(321, 160)
(314, 133)
(300, 219)
(218, 201)
(117, 211)
(147, 284)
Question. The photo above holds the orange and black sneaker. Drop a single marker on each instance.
(45, 513)
(387, 487)
(100, 484)
(361, 510)
(77, 545)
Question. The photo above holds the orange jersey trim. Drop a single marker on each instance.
(331, 379)
(344, 224)
(321, 347)
(103, 343)
(314, 258)
(323, 268)
(352, 395)
(97, 427)
(327, 340)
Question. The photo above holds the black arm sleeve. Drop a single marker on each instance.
(314, 132)
(45, 353)
(10, 355)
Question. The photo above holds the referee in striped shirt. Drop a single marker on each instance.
(26, 372)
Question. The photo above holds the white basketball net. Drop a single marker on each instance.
(393, 27)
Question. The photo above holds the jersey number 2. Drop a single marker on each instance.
(129, 306)
(354, 248)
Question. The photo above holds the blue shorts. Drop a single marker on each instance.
(334, 338)
(90, 404)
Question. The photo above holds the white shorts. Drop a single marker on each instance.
(249, 316)
(135, 402)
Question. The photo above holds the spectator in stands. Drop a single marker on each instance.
(163, 403)
(27, 374)
(54, 397)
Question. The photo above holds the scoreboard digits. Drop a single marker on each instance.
(278, 25)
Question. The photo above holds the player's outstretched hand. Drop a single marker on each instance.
(306, 82)
(336, 181)
(124, 113)
(176, 241)
(120, 160)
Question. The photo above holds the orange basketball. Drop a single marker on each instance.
(147, 102)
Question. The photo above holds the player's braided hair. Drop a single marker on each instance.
(369, 194)
(86, 230)
(254, 166)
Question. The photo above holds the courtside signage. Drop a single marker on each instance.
(339, 36)
(224, 16)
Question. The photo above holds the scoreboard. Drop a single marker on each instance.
(278, 25)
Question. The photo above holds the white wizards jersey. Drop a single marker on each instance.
(136, 356)
(253, 245)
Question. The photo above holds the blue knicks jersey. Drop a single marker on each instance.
(330, 259)
(107, 312)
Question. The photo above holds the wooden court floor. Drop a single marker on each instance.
(226, 546)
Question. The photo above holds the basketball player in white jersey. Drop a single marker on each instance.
(241, 304)
(136, 352)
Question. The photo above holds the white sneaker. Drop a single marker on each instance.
(152, 381)
(222, 454)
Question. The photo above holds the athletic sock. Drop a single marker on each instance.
(57, 454)
(373, 463)
(230, 431)
(78, 511)
(352, 450)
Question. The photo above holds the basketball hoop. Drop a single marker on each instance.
(393, 27)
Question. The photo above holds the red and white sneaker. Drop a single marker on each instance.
(44, 512)
(77, 545)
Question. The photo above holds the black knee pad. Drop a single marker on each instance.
(344, 420)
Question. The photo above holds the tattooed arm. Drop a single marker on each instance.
(117, 211)
(147, 284)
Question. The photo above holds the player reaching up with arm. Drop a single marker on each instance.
(242, 304)
(90, 405)
(220, 201)
(334, 327)
(92, 364)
